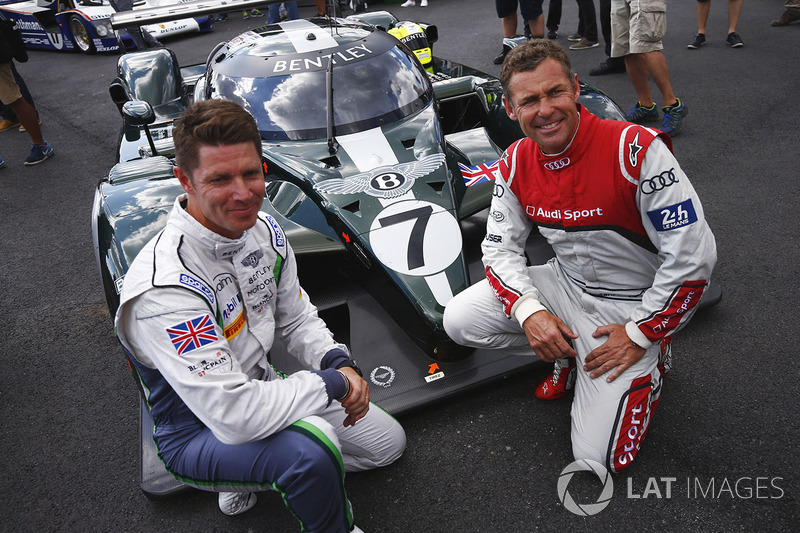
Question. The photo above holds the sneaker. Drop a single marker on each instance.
(407, 3)
(552, 35)
(8, 124)
(673, 118)
(245, 15)
(574, 38)
(734, 41)
(256, 13)
(234, 503)
(222, 17)
(640, 114)
(584, 44)
(612, 65)
(699, 40)
(560, 383)
(424, 3)
(39, 152)
(786, 18)
(22, 128)
(499, 59)
(2, 163)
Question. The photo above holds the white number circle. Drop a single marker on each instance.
(416, 238)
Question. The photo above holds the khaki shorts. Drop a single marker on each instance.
(9, 90)
(637, 26)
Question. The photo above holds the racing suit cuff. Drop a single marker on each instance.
(636, 335)
(335, 386)
(333, 358)
(526, 308)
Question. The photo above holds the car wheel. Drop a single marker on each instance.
(81, 35)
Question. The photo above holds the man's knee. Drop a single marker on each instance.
(454, 320)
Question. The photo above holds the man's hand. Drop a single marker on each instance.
(356, 404)
(618, 351)
(546, 333)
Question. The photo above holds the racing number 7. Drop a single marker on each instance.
(415, 255)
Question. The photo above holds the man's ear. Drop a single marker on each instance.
(183, 177)
(509, 108)
(576, 88)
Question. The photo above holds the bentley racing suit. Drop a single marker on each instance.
(198, 314)
(631, 247)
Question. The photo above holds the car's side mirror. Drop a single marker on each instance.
(140, 113)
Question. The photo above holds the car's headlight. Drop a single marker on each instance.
(102, 27)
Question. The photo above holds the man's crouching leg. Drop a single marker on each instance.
(302, 462)
(610, 420)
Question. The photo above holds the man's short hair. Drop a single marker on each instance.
(212, 123)
(531, 54)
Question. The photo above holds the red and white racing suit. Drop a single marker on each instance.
(631, 247)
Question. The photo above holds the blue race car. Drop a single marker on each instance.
(84, 25)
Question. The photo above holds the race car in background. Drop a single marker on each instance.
(379, 169)
(84, 25)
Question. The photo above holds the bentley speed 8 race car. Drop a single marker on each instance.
(84, 25)
(379, 170)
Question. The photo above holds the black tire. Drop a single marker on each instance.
(81, 35)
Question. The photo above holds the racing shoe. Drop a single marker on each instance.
(560, 383)
(673, 118)
(640, 114)
(235, 503)
(6, 124)
(39, 153)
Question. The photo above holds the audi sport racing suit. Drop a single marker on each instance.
(197, 316)
(631, 247)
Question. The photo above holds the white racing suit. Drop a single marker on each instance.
(197, 317)
(631, 247)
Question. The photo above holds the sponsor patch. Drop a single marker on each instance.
(192, 334)
(280, 240)
(658, 182)
(197, 286)
(564, 162)
(234, 329)
(252, 259)
(673, 216)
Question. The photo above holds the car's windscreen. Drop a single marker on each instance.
(366, 94)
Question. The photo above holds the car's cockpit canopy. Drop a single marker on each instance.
(279, 74)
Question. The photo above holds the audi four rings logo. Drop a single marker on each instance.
(657, 183)
(556, 165)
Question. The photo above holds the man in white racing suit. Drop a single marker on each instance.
(200, 308)
(633, 254)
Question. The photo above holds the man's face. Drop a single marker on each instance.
(543, 102)
(227, 188)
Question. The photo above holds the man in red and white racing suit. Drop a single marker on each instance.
(633, 254)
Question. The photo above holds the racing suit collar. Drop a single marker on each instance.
(221, 247)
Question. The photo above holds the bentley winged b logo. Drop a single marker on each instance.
(384, 182)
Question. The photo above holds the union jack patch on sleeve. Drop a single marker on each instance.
(192, 334)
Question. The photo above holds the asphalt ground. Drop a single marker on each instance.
(721, 455)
